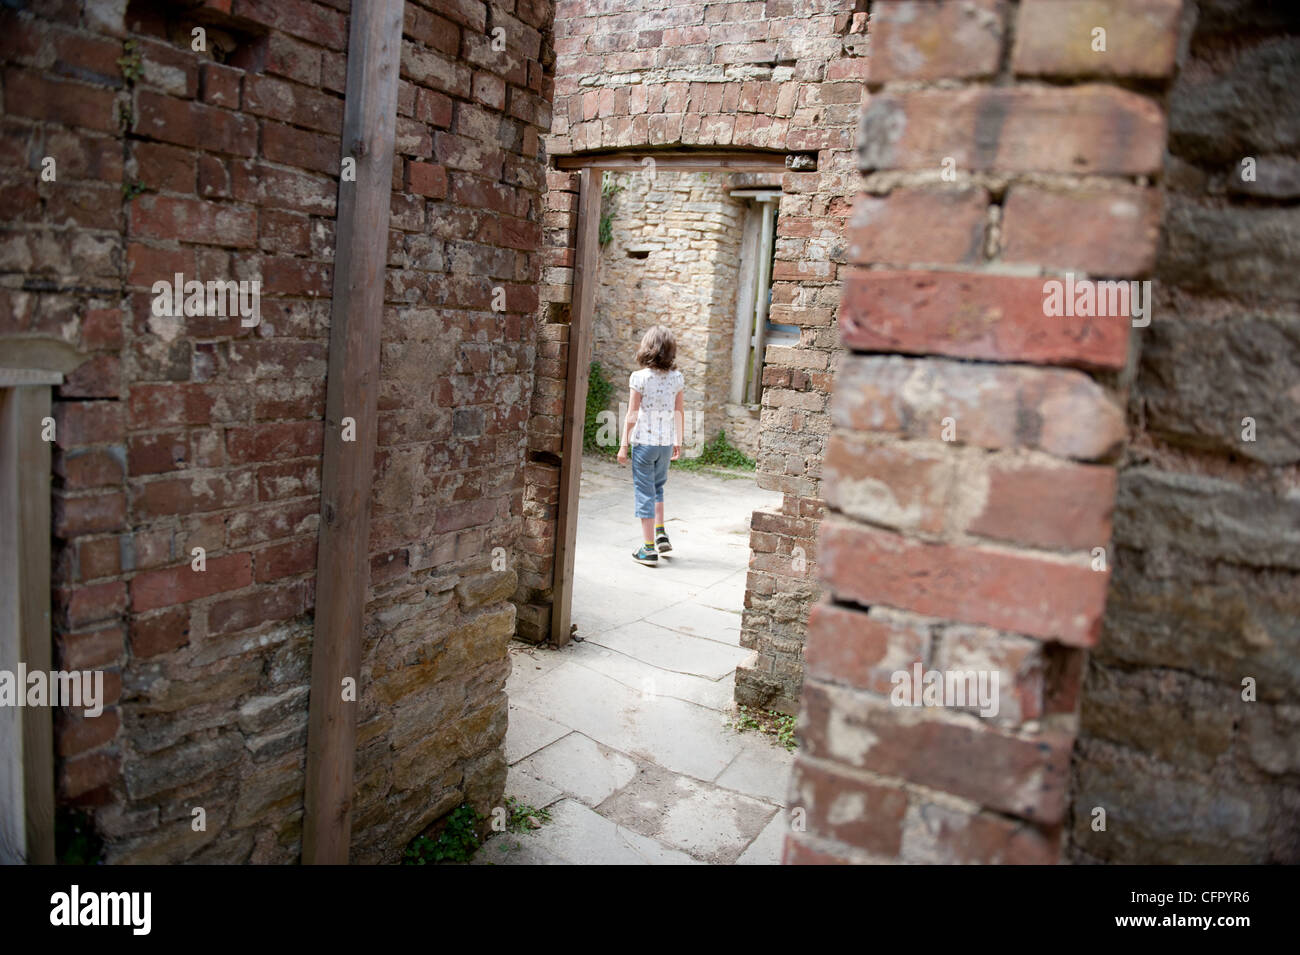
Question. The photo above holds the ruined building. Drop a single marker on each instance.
(1101, 510)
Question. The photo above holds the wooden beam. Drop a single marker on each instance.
(581, 315)
(678, 160)
(746, 291)
(26, 733)
(768, 212)
(13, 826)
(356, 313)
(34, 467)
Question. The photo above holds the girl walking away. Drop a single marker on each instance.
(653, 428)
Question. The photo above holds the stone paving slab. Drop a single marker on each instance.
(705, 622)
(712, 824)
(652, 681)
(530, 791)
(767, 848)
(683, 737)
(761, 770)
(580, 767)
(672, 651)
(527, 732)
(577, 835)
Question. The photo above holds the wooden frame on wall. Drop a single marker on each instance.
(27, 732)
(591, 167)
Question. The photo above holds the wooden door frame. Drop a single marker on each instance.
(591, 167)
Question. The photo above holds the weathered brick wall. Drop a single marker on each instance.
(689, 228)
(970, 475)
(1205, 589)
(780, 75)
(177, 433)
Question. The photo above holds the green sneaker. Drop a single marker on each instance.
(646, 554)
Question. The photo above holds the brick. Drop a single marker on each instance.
(1019, 662)
(191, 494)
(301, 18)
(1067, 506)
(159, 633)
(55, 101)
(194, 220)
(1111, 233)
(433, 108)
(83, 774)
(1055, 38)
(81, 734)
(1087, 129)
(88, 422)
(97, 377)
(251, 610)
(90, 468)
(286, 560)
(293, 103)
(299, 147)
(162, 406)
(92, 603)
(102, 328)
(883, 230)
(275, 441)
(169, 586)
(989, 317)
(921, 41)
(901, 485)
(290, 58)
(426, 179)
(1023, 594)
(192, 124)
(99, 557)
(865, 815)
(148, 264)
(85, 650)
(1060, 411)
(1022, 776)
(943, 835)
(862, 650)
(219, 85)
(158, 453)
(164, 168)
(89, 514)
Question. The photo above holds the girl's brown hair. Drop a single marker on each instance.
(658, 349)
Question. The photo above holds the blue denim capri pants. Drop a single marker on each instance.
(649, 474)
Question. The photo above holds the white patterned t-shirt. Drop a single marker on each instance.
(658, 390)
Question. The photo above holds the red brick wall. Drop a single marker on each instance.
(971, 469)
(196, 432)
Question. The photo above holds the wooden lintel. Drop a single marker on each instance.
(678, 160)
(352, 390)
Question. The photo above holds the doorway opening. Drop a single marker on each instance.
(627, 734)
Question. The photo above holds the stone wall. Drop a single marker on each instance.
(673, 259)
(1205, 589)
(779, 75)
(180, 433)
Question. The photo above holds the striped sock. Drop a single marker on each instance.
(659, 529)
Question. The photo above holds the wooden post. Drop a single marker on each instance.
(586, 259)
(745, 295)
(342, 557)
(27, 733)
(764, 285)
